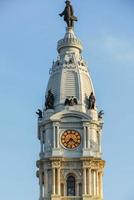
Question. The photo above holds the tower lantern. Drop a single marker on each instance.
(70, 166)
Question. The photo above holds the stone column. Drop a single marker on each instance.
(100, 141)
(101, 185)
(94, 182)
(45, 182)
(41, 142)
(53, 175)
(77, 189)
(65, 192)
(89, 182)
(97, 183)
(44, 133)
(40, 183)
(84, 137)
(57, 136)
(58, 180)
(53, 136)
(84, 182)
(88, 133)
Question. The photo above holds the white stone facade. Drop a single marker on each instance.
(69, 77)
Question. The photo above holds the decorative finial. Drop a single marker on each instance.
(68, 14)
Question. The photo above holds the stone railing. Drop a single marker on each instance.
(69, 42)
(71, 198)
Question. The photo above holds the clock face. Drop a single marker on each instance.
(71, 139)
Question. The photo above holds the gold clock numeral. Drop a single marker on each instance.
(73, 131)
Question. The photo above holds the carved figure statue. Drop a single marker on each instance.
(39, 113)
(71, 101)
(91, 101)
(68, 14)
(100, 114)
(67, 102)
(75, 101)
(49, 100)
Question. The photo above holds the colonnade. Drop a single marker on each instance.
(92, 182)
(44, 181)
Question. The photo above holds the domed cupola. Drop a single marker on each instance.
(69, 76)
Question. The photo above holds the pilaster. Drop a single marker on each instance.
(56, 151)
(56, 167)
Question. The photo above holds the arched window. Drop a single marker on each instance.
(71, 186)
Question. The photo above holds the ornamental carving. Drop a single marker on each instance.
(98, 164)
(87, 164)
(56, 164)
(94, 164)
(47, 165)
(102, 164)
(40, 163)
(65, 164)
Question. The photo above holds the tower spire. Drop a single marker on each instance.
(68, 14)
(70, 128)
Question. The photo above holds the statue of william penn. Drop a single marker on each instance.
(68, 14)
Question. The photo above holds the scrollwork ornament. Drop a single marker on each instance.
(56, 164)
(86, 164)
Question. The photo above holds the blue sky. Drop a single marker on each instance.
(29, 31)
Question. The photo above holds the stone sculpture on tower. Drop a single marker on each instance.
(70, 166)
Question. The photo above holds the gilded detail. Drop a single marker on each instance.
(71, 139)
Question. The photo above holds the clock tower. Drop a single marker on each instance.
(70, 166)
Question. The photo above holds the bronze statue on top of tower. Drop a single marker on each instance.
(68, 14)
